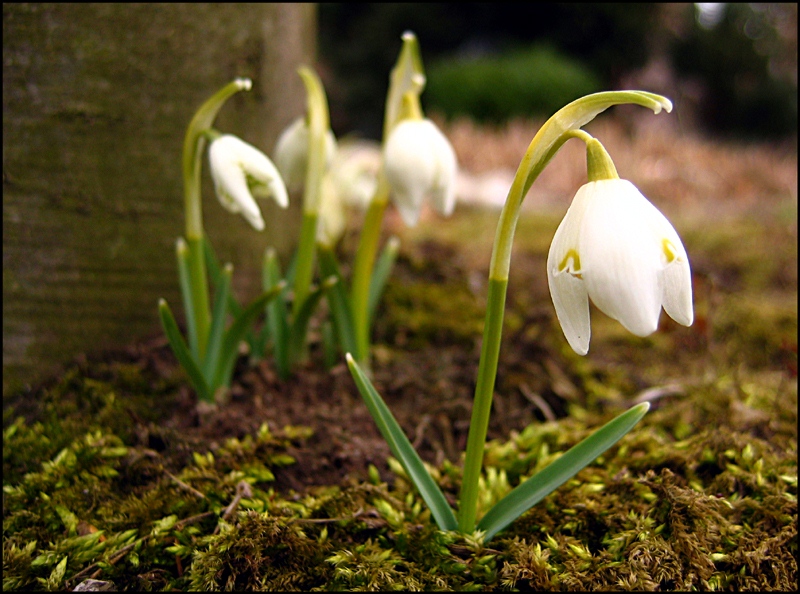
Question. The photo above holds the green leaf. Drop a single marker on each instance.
(539, 486)
(381, 273)
(218, 317)
(403, 450)
(182, 353)
(337, 300)
(215, 272)
(184, 277)
(234, 335)
(299, 327)
(277, 313)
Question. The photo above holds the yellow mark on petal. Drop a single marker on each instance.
(575, 268)
(670, 253)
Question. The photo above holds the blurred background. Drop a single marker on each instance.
(730, 68)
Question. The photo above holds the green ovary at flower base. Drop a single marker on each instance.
(239, 170)
(613, 247)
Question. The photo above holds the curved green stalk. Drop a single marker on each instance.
(407, 77)
(548, 140)
(193, 144)
(362, 269)
(318, 124)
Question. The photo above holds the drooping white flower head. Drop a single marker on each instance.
(418, 161)
(291, 153)
(615, 247)
(239, 171)
(354, 171)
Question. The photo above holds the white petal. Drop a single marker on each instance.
(568, 290)
(676, 276)
(230, 180)
(676, 280)
(621, 260)
(410, 166)
(443, 196)
(291, 153)
(572, 308)
(262, 171)
(332, 218)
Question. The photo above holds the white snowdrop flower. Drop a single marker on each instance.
(615, 247)
(419, 161)
(239, 171)
(291, 153)
(355, 171)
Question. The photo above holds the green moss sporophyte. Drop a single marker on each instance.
(615, 248)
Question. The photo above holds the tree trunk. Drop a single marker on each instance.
(96, 101)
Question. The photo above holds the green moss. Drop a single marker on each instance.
(701, 495)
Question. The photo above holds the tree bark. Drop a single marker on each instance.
(96, 101)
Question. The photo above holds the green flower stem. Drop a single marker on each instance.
(482, 407)
(362, 270)
(318, 125)
(193, 145)
(406, 82)
(199, 293)
(306, 251)
(548, 140)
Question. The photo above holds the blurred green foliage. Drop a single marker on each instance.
(744, 64)
(496, 88)
(358, 43)
(741, 68)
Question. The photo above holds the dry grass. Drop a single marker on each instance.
(684, 174)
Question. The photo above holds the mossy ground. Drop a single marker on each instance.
(110, 472)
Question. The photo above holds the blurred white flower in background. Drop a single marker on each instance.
(291, 153)
(419, 161)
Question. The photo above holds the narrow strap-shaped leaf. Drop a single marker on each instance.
(547, 480)
(381, 273)
(184, 277)
(182, 352)
(277, 313)
(215, 272)
(236, 332)
(403, 450)
(218, 317)
(299, 327)
(330, 346)
(338, 301)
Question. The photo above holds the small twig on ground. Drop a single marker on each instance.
(358, 513)
(183, 485)
(242, 490)
(538, 402)
(657, 392)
